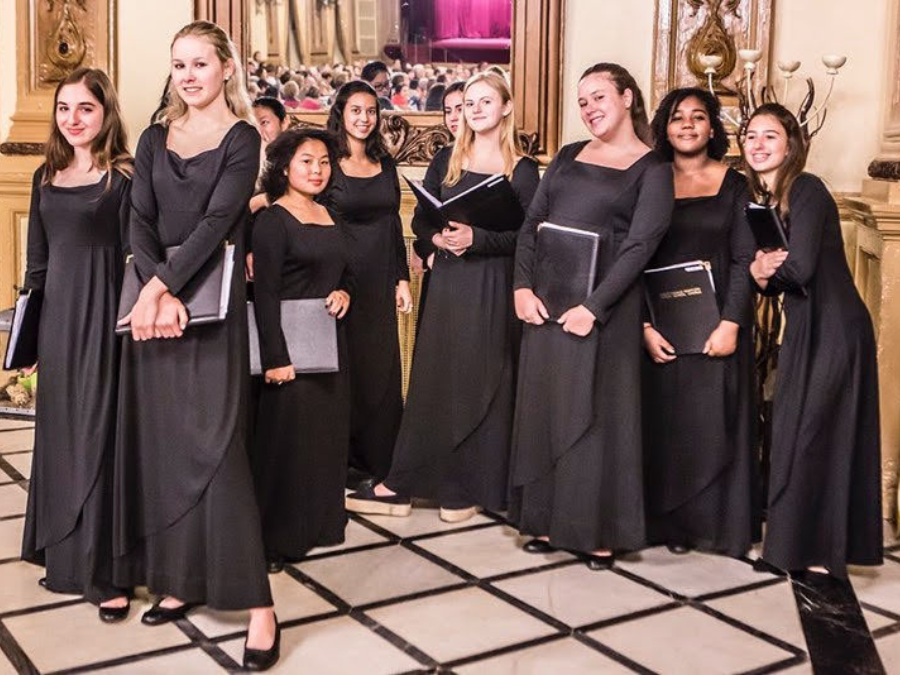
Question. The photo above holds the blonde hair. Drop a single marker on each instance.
(236, 95)
(510, 147)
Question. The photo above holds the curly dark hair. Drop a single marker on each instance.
(281, 151)
(718, 144)
(375, 148)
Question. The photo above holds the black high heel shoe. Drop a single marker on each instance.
(158, 615)
(263, 659)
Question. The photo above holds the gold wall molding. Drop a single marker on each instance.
(686, 29)
(53, 38)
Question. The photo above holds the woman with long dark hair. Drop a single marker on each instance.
(824, 483)
(577, 473)
(77, 233)
(698, 413)
(365, 191)
(186, 520)
(303, 424)
(454, 441)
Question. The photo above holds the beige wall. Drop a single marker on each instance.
(7, 65)
(611, 30)
(145, 31)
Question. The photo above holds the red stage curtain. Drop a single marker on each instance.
(472, 19)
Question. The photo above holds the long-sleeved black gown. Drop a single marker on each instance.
(303, 426)
(186, 522)
(577, 473)
(76, 238)
(698, 413)
(825, 477)
(370, 214)
(454, 439)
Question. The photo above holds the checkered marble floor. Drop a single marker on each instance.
(415, 594)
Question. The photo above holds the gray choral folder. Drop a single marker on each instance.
(310, 333)
(565, 271)
(682, 303)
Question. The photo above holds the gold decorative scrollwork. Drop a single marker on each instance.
(712, 39)
(66, 46)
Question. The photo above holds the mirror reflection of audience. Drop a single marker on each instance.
(454, 441)
(578, 475)
(365, 190)
(302, 433)
(698, 413)
(77, 231)
(186, 521)
(824, 508)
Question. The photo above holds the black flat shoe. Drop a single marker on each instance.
(263, 659)
(275, 564)
(678, 549)
(113, 614)
(42, 582)
(158, 615)
(366, 501)
(597, 563)
(538, 546)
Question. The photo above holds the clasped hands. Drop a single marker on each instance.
(721, 342)
(529, 308)
(156, 314)
(456, 238)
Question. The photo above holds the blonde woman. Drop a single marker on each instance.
(186, 522)
(454, 439)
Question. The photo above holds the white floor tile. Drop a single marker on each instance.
(189, 662)
(15, 441)
(560, 657)
(13, 500)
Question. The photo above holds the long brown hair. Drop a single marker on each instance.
(236, 95)
(110, 147)
(794, 161)
(624, 80)
(510, 147)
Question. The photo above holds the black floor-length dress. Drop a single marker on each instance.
(454, 440)
(75, 255)
(186, 520)
(303, 427)
(825, 477)
(577, 473)
(370, 213)
(698, 415)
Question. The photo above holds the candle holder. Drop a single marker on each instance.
(751, 95)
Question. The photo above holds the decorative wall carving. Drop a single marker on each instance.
(685, 29)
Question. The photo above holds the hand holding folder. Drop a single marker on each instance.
(492, 204)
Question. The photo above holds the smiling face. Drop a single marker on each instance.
(310, 168)
(483, 107)
(689, 129)
(360, 115)
(198, 76)
(453, 112)
(603, 109)
(765, 146)
(79, 115)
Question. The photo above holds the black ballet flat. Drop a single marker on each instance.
(263, 659)
(113, 614)
(42, 582)
(538, 546)
(275, 564)
(158, 615)
(597, 563)
(678, 549)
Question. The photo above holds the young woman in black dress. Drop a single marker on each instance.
(454, 440)
(577, 474)
(365, 191)
(698, 415)
(77, 232)
(186, 521)
(303, 425)
(825, 479)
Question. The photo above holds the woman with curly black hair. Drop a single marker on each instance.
(698, 408)
(365, 191)
(302, 430)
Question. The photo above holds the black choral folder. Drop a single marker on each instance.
(22, 348)
(310, 333)
(492, 204)
(682, 303)
(565, 272)
(205, 296)
(768, 228)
